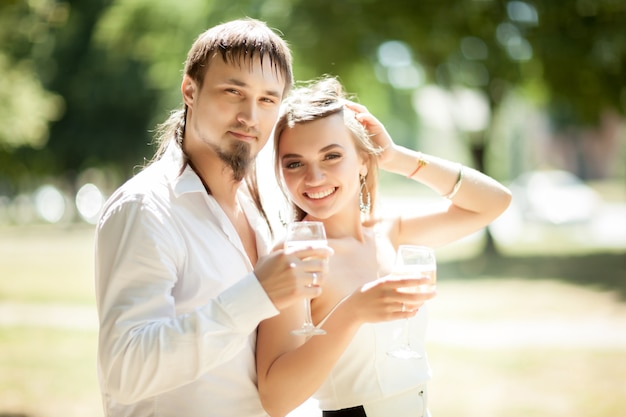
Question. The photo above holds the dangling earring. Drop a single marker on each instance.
(364, 196)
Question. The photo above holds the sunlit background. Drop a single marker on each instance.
(531, 92)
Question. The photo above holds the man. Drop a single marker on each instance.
(183, 270)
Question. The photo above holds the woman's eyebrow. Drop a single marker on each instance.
(331, 146)
(324, 149)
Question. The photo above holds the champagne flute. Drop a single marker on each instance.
(303, 235)
(413, 262)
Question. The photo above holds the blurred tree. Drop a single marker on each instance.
(26, 106)
(582, 51)
(108, 99)
(117, 64)
(568, 56)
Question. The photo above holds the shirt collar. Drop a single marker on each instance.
(183, 182)
(189, 182)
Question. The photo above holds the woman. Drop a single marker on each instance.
(328, 151)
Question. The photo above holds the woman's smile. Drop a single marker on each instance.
(320, 194)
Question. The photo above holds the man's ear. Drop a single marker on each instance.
(188, 88)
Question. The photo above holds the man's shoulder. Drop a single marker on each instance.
(146, 188)
(146, 182)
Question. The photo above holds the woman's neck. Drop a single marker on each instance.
(341, 227)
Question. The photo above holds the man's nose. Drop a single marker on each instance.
(248, 114)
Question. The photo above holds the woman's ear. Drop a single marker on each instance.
(365, 163)
(188, 88)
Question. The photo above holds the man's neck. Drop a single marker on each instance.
(217, 179)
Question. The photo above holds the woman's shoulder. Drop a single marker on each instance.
(384, 228)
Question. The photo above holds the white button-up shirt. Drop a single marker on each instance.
(177, 299)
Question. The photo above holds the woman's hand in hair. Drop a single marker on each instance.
(376, 130)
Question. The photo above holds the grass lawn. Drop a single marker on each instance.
(528, 382)
(512, 337)
(47, 372)
(46, 264)
(518, 348)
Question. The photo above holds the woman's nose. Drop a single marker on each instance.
(314, 174)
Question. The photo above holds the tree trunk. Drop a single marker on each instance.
(477, 149)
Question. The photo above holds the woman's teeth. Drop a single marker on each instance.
(322, 194)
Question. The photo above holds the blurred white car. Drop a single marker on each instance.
(556, 197)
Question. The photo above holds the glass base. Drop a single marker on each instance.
(404, 352)
(308, 330)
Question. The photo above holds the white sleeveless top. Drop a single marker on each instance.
(365, 372)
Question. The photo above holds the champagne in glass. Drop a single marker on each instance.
(413, 262)
(303, 235)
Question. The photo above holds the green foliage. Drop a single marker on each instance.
(84, 83)
(582, 49)
(155, 34)
(577, 49)
(108, 100)
(26, 107)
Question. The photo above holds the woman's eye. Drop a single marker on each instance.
(333, 156)
(292, 165)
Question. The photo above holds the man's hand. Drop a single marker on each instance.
(290, 277)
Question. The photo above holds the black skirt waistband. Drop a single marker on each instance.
(357, 411)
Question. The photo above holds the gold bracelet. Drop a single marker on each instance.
(457, 185)
(421, 163)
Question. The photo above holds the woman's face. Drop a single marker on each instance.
(320, 166)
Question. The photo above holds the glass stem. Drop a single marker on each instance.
(308, 321)
(407, 336)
